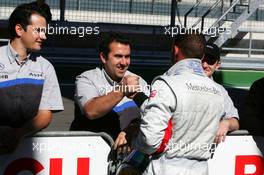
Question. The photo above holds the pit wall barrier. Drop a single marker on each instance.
(86, 153)
(239, 154)
(59, 153)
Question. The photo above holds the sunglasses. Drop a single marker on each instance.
(210, 61)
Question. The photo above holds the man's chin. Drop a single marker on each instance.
(35, 49)
(38, 48)
(121, 73)
(208, 74)
(120, 76)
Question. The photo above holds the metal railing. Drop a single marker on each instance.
(208, 14)
(250, 49)
(205, 14)
(224, 15)
(190, 10)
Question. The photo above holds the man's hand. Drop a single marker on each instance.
(222, 131)
(130, 85)
(121, 143)
(225, 126)
(8, 140)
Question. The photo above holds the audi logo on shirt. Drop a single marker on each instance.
(36, 74)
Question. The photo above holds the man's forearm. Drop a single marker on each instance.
(99, 106)
(233, 124)
(40, 121)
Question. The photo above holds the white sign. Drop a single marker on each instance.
(85, 155)
(238, 155)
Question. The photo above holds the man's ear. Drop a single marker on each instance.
(218, 65)
(102, 57)
(19, 30)
(176, 50)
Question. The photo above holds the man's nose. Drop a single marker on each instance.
(204, 64)
(123, 61)
(43, 36)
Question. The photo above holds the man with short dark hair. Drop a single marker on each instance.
(29, 89)
(182, 113)
(229, 122)
(100, 96)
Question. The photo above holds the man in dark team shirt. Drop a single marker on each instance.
(29, 89)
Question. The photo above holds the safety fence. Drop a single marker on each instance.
(147, 12)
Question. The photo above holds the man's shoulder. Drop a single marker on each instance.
(223, 89)
(167, 78)
(219, 85)
(3, 47)
(40, 60)
(91, 72)
(94, 75)
(3, 50)
(130, 73)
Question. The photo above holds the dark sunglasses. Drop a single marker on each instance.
(210, 61)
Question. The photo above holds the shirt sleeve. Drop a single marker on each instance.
(51, 95)
(84, 90)
(230, 109)
(156, 115)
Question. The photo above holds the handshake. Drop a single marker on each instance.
(130, 86)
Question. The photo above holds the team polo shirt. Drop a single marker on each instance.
(26, 87)
(95, 83)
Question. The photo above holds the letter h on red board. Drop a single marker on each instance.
(82, 166)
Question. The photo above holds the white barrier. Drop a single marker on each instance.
(238, 155)
(56, 153)
(83, 153)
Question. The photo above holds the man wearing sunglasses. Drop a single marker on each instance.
(229, 121)
(211, 61)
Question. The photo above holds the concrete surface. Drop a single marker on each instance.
(61, 121)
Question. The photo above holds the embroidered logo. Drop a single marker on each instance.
(35, 74)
